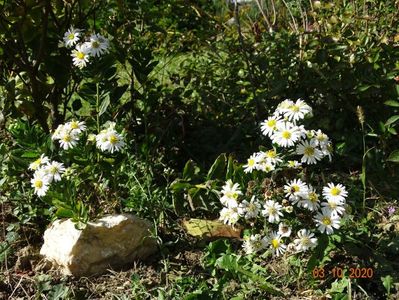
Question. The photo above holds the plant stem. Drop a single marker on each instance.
(363, 174)
(98, 114)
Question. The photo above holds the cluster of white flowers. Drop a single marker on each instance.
(283, 129)
(94, 45)
(68, 134)
(46, 172)
(313, 145)
(109, 139)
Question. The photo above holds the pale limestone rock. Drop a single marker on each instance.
(110, 242)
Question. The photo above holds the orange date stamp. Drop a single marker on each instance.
(338, 272)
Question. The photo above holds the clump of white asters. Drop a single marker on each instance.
(326, 207)
(46, 172)
(68, 134)
(109, 140)
(94, 45)
(284, 130)
(230, 193)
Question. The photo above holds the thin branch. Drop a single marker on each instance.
(264, 16)
(44, 35)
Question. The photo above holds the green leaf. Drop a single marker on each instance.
(189, 170)
(30, 154)
(104, 105)
(392, 103)
(218, 168)
(227, 262)
(230, 168)
(64, 213)
(178, 185)
(387, 282)
(394, 156)
(392, 120)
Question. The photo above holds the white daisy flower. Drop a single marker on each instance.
(309, 151)
(101, 139)
(285, 135)
(284, 230)
(68, 139)
(296, 190)
(336, 207)
(311, 200)
(110, 141)
(266, 166)
(305, 240)
(327, 150)
(97, 45)
(81, 55)
(57, 133)
(276, 244)
(334, 192)
(54, 170)
(38, 162)
(254, 243)
(249, 210)
(72, 36)
(326, 221)
(296, 111)
(272, 210)
(320, 138)
(251, 164)
(269, 126)
(230, 191)
(76, 126)
(283, 106)
(40, 182)
(270, 156)
(229, 216)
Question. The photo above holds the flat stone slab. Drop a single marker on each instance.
(110, 242)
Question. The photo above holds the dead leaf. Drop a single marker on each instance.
(208, 228)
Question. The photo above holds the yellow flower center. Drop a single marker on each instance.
(71, 36)
(309, 151)
(271, 154)
(74, 125)
(335, 191)
(295, 188)
(305, 241)
(251, 162)
(53, 169)
(326, 221)
(294, 108)
(275, 243)
(38, 183)
(286, 134)
(272, 211)
(313, 197)
(251, 207)
(271, 123)
(80, 55)
(67, 138)
(95, 44)
(113, 139)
